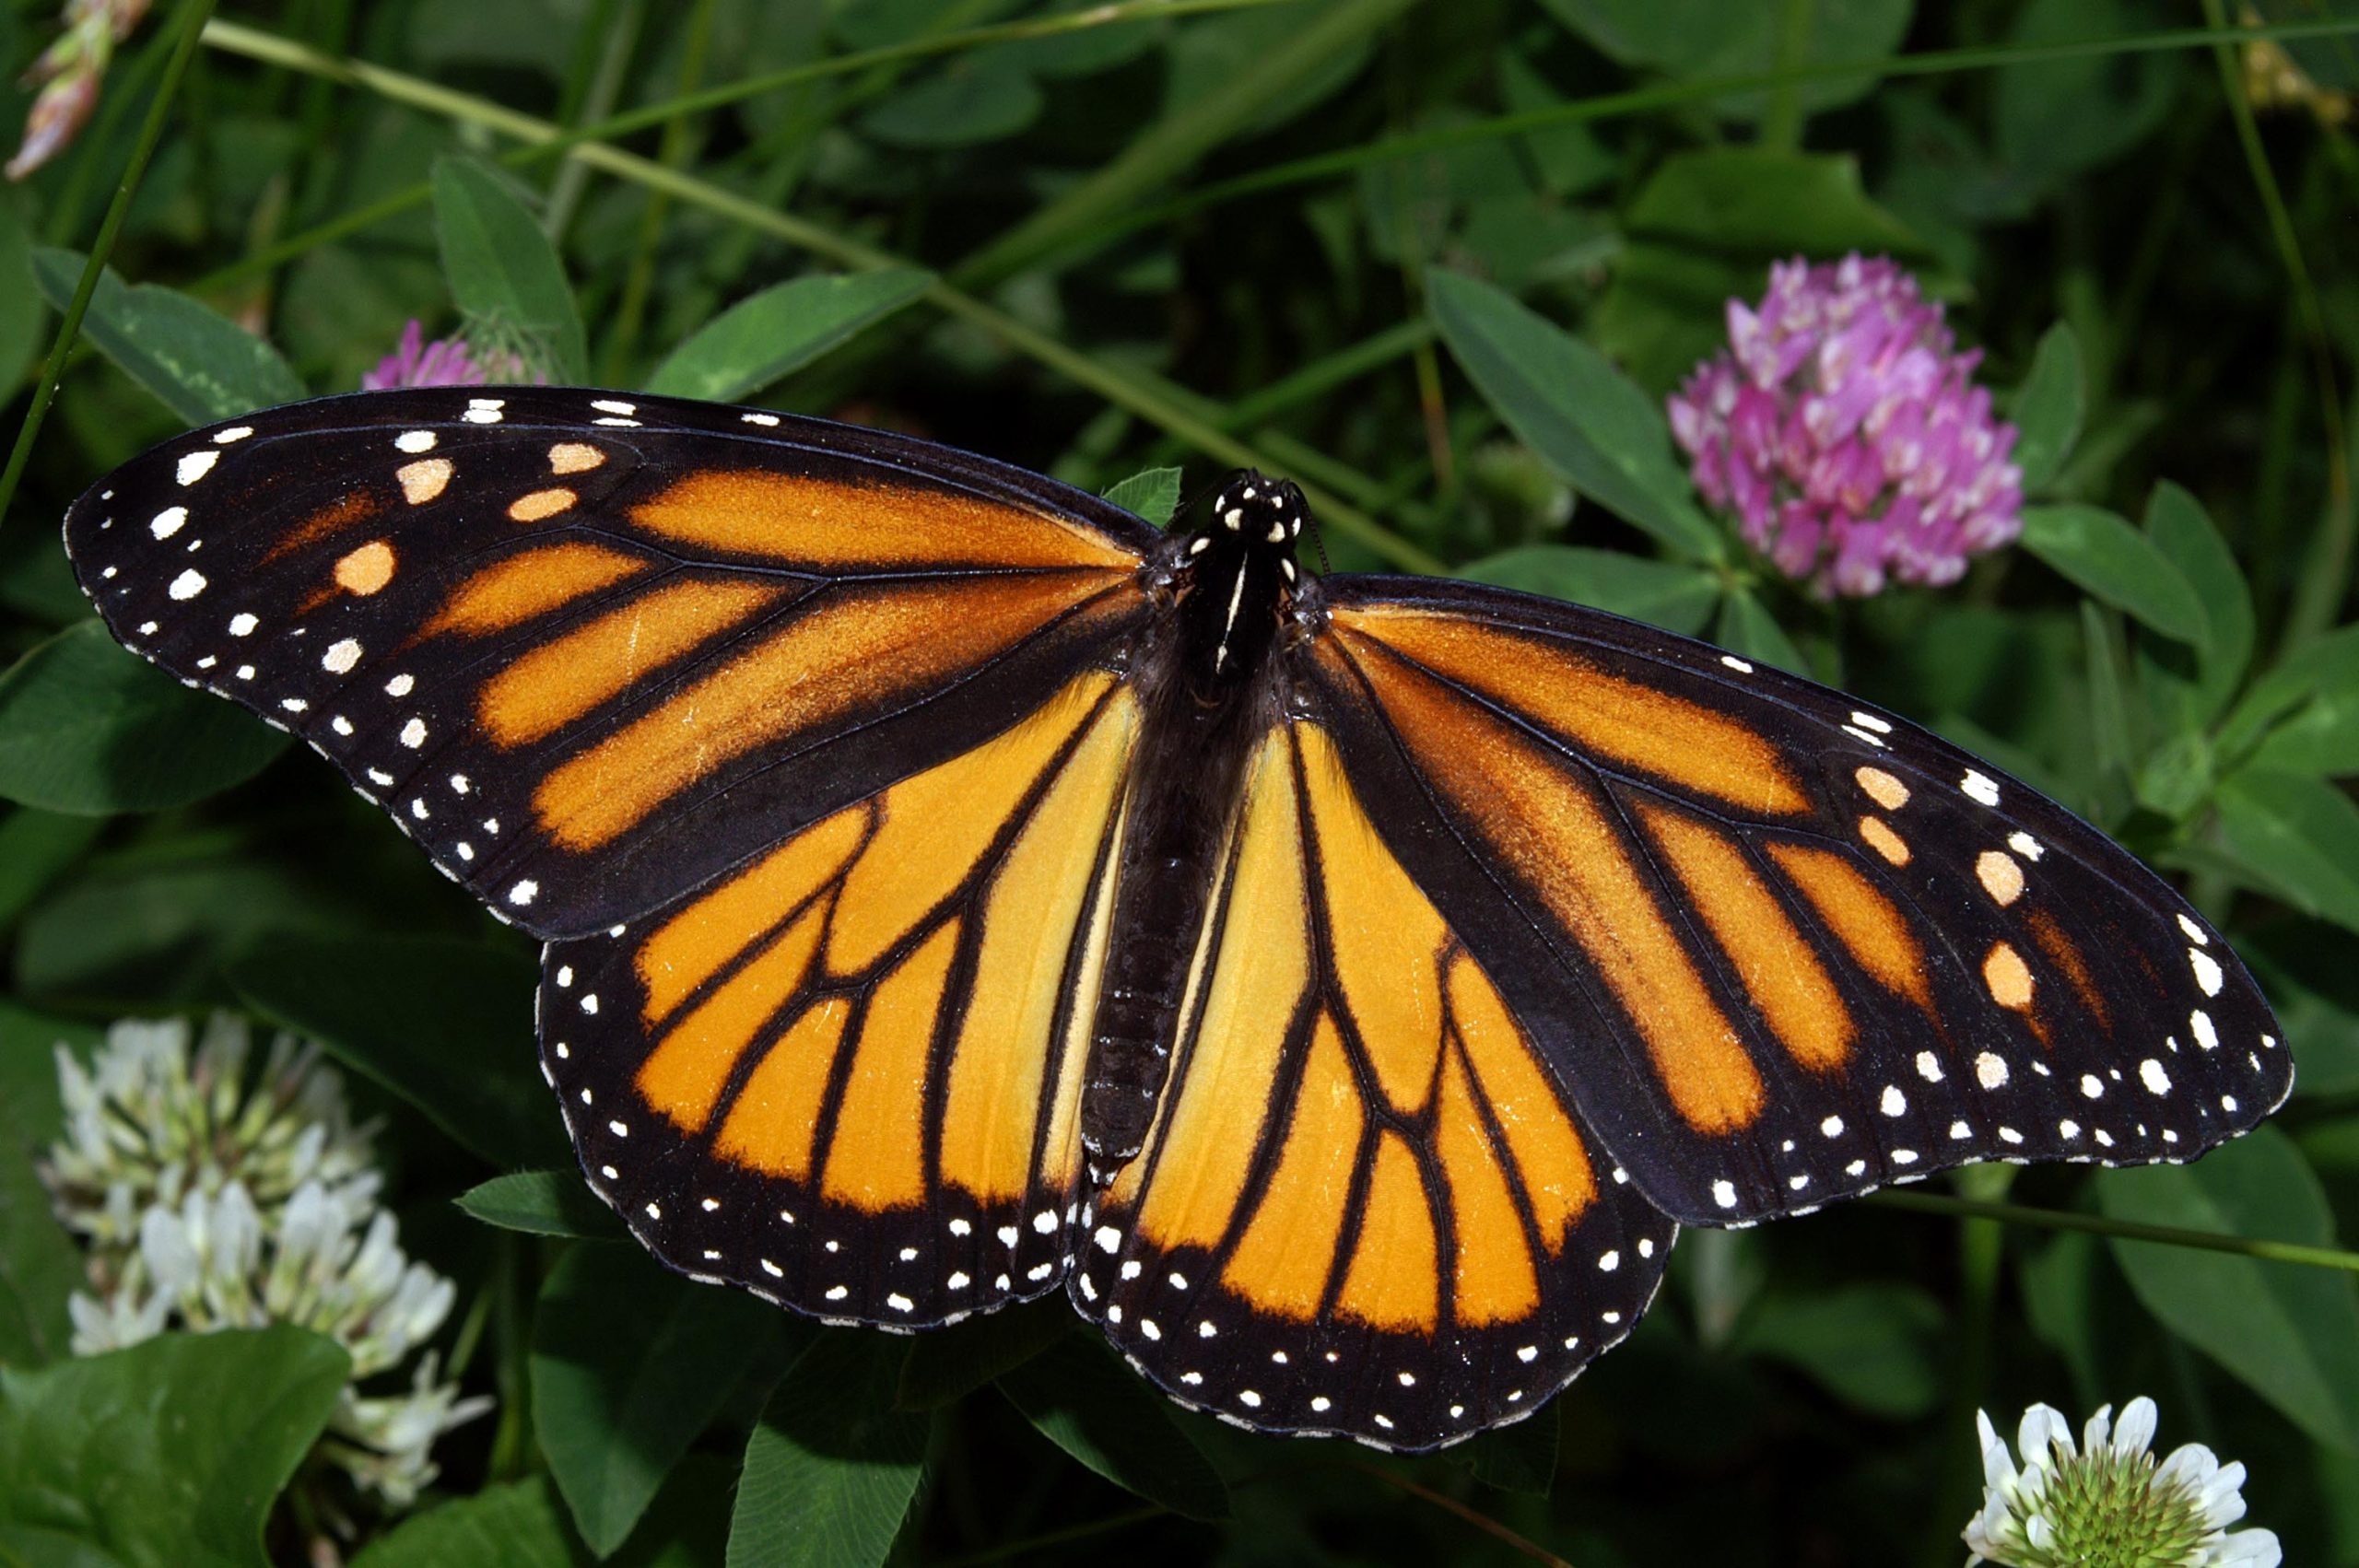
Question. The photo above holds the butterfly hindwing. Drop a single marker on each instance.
(590, 651)
(846, 1075)
(1365, 1207)
(1780, 947)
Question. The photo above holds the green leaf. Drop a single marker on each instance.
(2049, 406)
(521, 1525)
(971, 101)
(202, 366)
(1585, 418)
(1748, 629)
(2290, 1334)
(782, 329)
(2325, 668)
(39, 1265)
(511, 1526)
(548, 1203)
(1152, 494)
(20, 301)
(2305, 713)
(2183, 532)
(28, 1089)
(2055, 119)
(160, 927)
(1712, 38)
(1100, 1413)
(166, 1454)
(832, 1466)
(2298, 836)
(1665, 593)
(501, 269)
(447, 1025)
(628, 1365)
(90, 728)
(2101, 552)
(1705, 230)
(35, 846)
(951, 1362)
(1871, 1346)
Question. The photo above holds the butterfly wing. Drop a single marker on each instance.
(1780, 947)
(1364, 1206)
(847, 1075)
(591, 652)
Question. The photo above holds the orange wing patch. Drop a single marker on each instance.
(1558, 834)
(1869, 925)
(855, 648)
(1785, 978)
(1602, 714)
(1406, 1105)
(1361, 1176)
(514, 591)
(829, 525)
(826, 970)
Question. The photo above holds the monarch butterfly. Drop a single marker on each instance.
(956, 890)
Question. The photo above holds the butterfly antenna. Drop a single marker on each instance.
(1318, 542)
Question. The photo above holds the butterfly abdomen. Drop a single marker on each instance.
(1207, 697)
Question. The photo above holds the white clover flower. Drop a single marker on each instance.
(208, 1204)
(2105, 1502)
(147, 1122)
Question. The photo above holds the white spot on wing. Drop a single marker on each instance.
(188, 585)
(195, 466)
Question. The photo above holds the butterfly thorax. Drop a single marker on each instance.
(1208, 686)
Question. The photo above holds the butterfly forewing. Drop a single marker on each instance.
(590, 651)
(1365, 1207)
(1781, 948)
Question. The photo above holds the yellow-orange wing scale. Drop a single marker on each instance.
(846, 1074)
(1365, 1206)
(1778, 946)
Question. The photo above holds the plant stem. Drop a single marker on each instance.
(1782, 127)
(191, 21)
(1141, 394)
(2121, 1229)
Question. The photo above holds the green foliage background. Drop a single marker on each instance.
(1439, 260)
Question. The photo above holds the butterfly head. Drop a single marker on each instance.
(1239, 573)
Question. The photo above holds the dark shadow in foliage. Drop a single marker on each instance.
(1107, 1417)
(447, 1025)
(951, 1362)
(1521, 1458)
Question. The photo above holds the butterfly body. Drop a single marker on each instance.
(1210, 684)
(957, 891)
